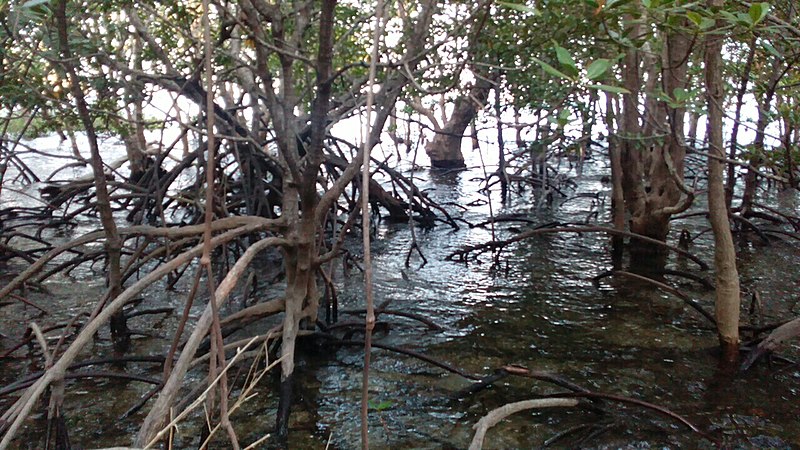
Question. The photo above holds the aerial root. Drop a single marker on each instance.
(496, 415)
(567, 399)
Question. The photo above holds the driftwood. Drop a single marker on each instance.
(641, 403)
(561, 399)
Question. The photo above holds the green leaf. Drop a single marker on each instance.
(707, 23)
(660, 96)
(383, 405)
(597, 68)
(607, 88)
(519, 7)
(550, 69)
(33, 3)
(757, 12)
(681, 94)
(566, 60)
(730, 16)
(745, 19)
(696, 18)
(702, 22)
(772, 50)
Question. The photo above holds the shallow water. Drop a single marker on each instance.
(539, 309)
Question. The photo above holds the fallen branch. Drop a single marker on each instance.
(403, 351)
(418, 317)
(749, 224)
(161, 408)
(228, 223)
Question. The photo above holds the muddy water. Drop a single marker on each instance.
(539, 309)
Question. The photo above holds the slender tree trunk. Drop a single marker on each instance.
(726, 275)
(764, 107)
(501, 143)
(135, 141)
(789, 130)
(617, 198)
(119, 329)
(744, 79)
(691, 135)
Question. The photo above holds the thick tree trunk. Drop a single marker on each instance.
(652, 178)
(444, 149)
(629, 145)
(301, 307)
(726, 274)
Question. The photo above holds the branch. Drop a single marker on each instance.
(257, 223)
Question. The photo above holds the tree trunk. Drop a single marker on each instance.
(652, 178)
(764, 107)
(119, 328)
(789, 130)
(444, 149)
(135, 141)
(727, 278)
(617, 199)
(730, 182)
(691, 135)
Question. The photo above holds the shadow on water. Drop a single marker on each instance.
(537, 308)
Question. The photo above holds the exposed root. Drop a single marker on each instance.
(783, 333)
(496, 415)
(686, 299)
(464, 253)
